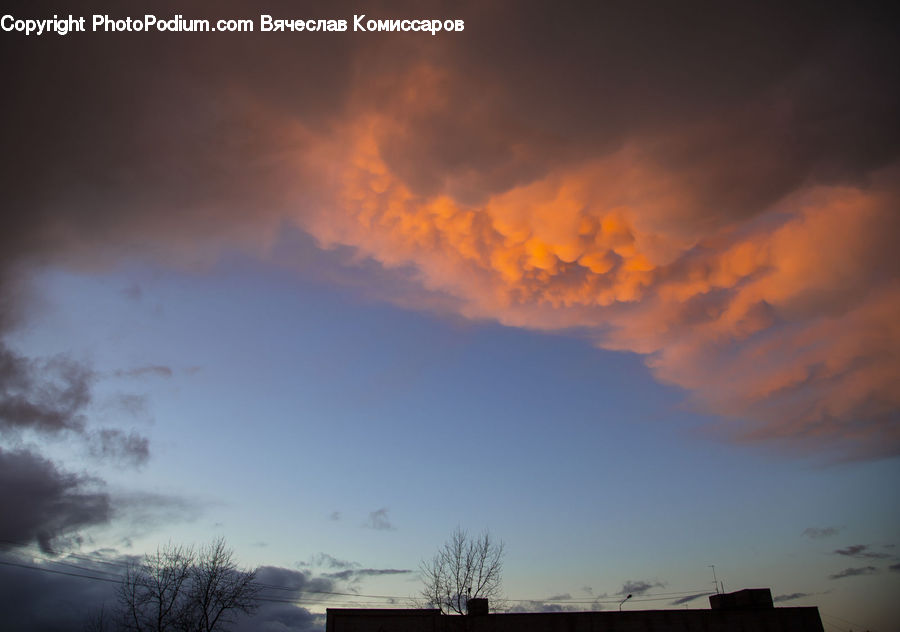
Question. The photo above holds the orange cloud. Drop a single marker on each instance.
(784, 320)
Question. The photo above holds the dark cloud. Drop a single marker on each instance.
(43, 504)
(688, 598)
(790, 597)
(729, 115)
(853, 572)
(358, 574)
(46, 396)
(58, 597)
(153, 370)
(816, 533)
(894, 567)
(860, 551)
(63, 594)
(639, 587)
(379, 521)
(548, 606)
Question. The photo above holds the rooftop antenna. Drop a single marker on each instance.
(715, 580)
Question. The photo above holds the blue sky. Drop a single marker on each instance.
(288, 410)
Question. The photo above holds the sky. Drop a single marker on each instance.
(616, 282)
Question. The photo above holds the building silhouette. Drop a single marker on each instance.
(749, 610)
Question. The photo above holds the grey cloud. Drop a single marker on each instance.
(854, 572)
(60, 601)
(330, 561)
(790, 597)
(688, 598)
(358, 574)
(141, 512)
(639, 587)
(153, 370)
(894, 567)
(334, 516)
(45, 396)
(65, 593)
(816, 533)
(548, 606)
(560, 597)
(50, 505)
(114, 444)
(378, 520)
(860, 551)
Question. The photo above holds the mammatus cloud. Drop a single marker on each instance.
(853, 572)
(733, 223)
(379, 521)
(860, 551)
(816, 533)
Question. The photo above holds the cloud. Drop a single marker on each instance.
(357, 574)
(334, 516)
(549, 606)
(689, 598)
(860, 551)
(46, 396)
(816, 533)
(152, 370)
(50, 505)
(63, 594)
(330, 561)
(853, 572)
(114, 444)
(894, 567)
(639, 587)
(732, 223)
(378, 520)
(791, 597)
(61, 600)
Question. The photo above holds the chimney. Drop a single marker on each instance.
(477, 606)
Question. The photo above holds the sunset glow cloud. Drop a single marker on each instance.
(781, 318)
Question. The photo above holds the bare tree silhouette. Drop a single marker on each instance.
(464, 568)
(179, 590)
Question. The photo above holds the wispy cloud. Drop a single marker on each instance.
(151, 370)
(790, 597)
(854, 572)
(688, 598)
(639, 587)
(354, 575)
(860, 551)
(379, 521)
(816, 533)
